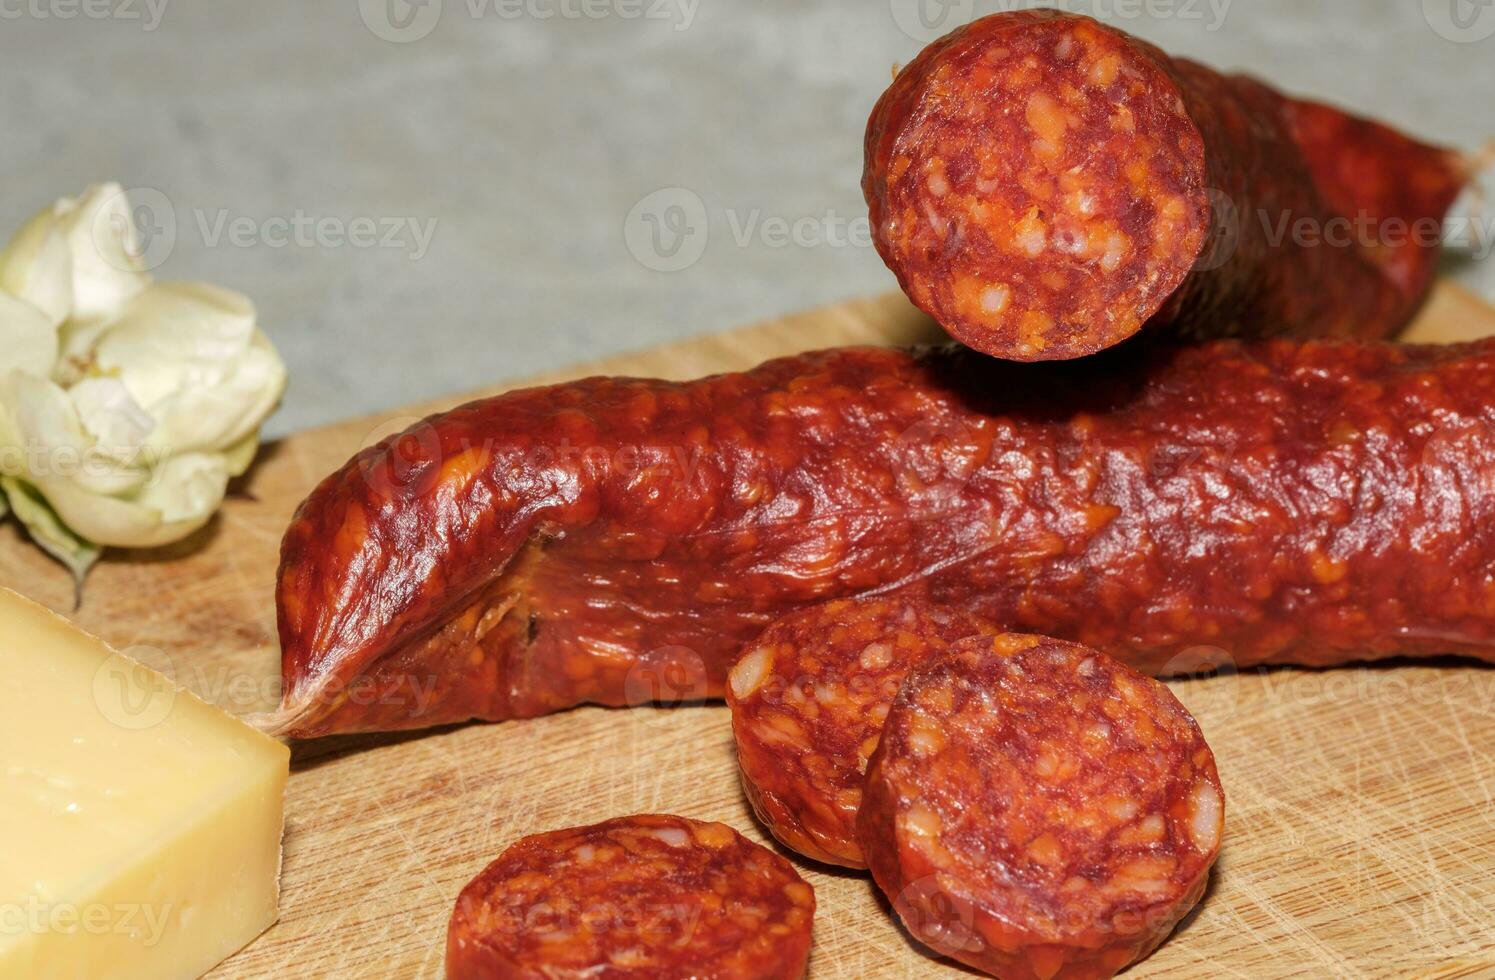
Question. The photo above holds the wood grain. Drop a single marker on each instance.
(1361, 802)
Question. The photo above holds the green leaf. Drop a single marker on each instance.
(49, 533)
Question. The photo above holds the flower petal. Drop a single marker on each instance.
(182, 496)
(28, 339)
(238, 456)
(37, 267)
(42, 413)
(193, 359)
(45, 441)
(105, 249)
(110, 415)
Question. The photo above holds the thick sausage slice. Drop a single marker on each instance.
(1044, 186)
(1035, 809)
(636, 897)
(808, 699)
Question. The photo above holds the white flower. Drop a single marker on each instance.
(125, 405)
(77, 261)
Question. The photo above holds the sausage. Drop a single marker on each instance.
(808, 698)
(633, 897)
(1227, 504)
(1037, 810)
(1045, 186)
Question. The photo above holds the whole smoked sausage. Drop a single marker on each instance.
(1177, 507)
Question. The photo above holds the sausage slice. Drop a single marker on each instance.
(1035, 809)
(808, 700)
(634, 897)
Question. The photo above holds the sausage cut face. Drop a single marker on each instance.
(646, 896)
(1046, 186)
(808, 700)
(1035, 809)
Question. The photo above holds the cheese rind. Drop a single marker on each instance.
(139, 826)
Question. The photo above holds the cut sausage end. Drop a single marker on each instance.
(1037, 185)
(1020, 844)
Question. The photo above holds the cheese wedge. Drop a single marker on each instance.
(139, 826)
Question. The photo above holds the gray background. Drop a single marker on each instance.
(529, 130)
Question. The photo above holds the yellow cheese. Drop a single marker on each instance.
(139, 827)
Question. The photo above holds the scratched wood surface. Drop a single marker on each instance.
(1360, 824)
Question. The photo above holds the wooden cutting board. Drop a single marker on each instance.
(1360, 823)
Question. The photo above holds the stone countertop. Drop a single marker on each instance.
(428, 197)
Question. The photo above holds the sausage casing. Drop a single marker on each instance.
(620, 540)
